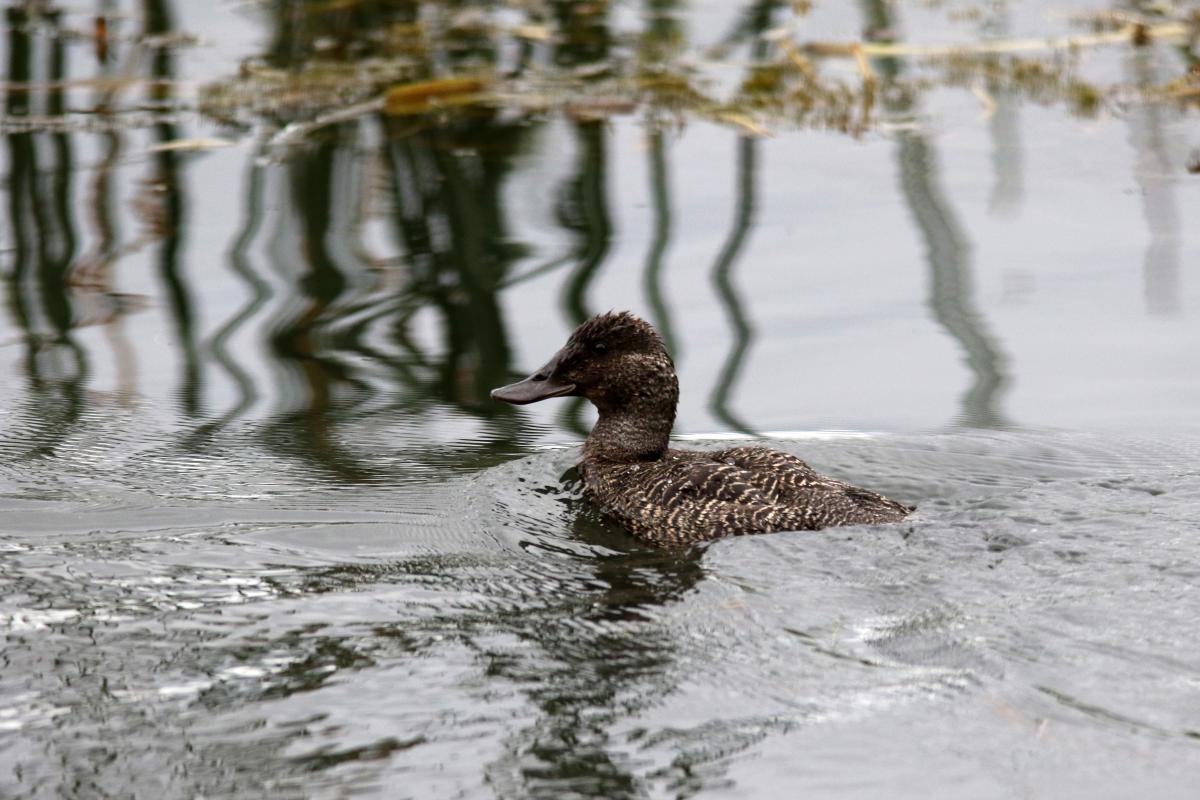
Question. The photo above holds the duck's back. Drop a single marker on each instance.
(689, 496)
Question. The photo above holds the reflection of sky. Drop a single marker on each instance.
(835, 281)
(833, 274)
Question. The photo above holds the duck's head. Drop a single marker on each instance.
(615, 360)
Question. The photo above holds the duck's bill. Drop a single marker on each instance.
(532, 390)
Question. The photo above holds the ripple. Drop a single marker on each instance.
(350, 629)
(27, 710)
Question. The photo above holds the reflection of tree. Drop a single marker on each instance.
(583, 200)
(167, 192)
(583, 210)
(444, 177)
(41, 219)
(757, 20)
(947, 251)
(444, 183)
(20, 148)
(730, 251)
(660, 197)
(260, 292)
(1004, 128)
(662, 37)
(304, 29)
(94, 272)
(951, 282)
(447, 187)
(1162, 269)
(325, 385)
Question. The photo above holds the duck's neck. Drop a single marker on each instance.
(637, 429)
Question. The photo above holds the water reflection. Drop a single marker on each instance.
(741, 333)
(446, 186)
(345, 327)
(662, 37)
(41, 219)
(951, 285)
(1153, 170)
(571, 746)
(583, 210)
(947, 248)
(259, 293)
(660, 194)
(1004, 127)
(336, 364)
(317, 188)
(165, 209)
(757, 20)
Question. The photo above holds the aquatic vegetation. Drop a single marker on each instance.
(263, 92)
(417, 67)
(356, 57)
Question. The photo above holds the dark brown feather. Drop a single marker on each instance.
(692, 496)
(668, 496)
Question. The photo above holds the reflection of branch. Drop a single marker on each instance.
(536, 272)
(158, 21)
(63, 210)
(660, 196)
(719, 403)
(471, 204)
(951, 288)
(1004, 129)
(1126, 35)
(451, 221)
(759, 18)
(749, 27)
(18, 182)
(124, 356)
(316, 192)
(662, 34)
(948, 254)
(40, 217)
(260, 291)
(588, 201)
(1162, 269)
(55, 240)
(587, 197)
(294, 133)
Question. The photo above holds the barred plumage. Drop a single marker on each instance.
(691, 496)
(668, 496)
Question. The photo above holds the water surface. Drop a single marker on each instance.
(262, 533)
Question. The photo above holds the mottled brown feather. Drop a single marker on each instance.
(691, 496)
(668, 496)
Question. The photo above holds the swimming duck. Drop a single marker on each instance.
(668, 496)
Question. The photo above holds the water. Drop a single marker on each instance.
(262, 534)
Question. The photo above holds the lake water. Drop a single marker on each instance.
(263, 534)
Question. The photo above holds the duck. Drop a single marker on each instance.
(667, 496)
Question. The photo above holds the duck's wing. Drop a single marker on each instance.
(690, 523)
(779, 475)
(790, 480)
(692, 497)
(709, 481)
(695, 499)
(694, 482)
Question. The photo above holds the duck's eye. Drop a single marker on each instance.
(599, 347)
